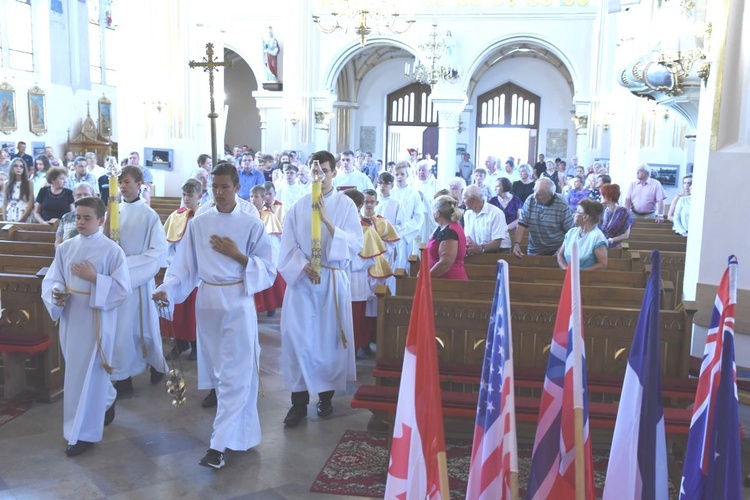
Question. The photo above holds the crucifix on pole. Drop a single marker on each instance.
(210, 65)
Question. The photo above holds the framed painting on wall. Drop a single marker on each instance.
(7, 109)
(105, 117)
(37, 111)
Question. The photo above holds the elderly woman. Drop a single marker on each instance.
(592, 245)
(446, 250)
(617, 220)
(577, 193)
(525, 187)
(54, 200)
(682, 210)
(506, 201)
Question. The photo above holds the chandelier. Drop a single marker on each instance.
(434, 71)
(363, 17)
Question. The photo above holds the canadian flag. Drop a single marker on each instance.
(417, 467)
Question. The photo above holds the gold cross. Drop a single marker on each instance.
(210, 64)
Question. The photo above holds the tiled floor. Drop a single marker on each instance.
(151, 451)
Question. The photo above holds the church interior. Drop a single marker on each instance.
(621, 83)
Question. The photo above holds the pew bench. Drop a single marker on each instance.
(614, 263)
(27, 248)
(23, 264)
(17, 234)
(463, 405)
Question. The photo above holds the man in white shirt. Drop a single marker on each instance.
(509, 172)
(94, 169)
(484, 224)
(490, 163)
(348, 176)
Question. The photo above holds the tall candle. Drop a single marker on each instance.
(315, 258)
(114, 209)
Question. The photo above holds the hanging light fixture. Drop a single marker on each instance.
(438, 50)
(362, 17)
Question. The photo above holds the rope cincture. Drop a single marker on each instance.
(342, 335)
(107, 367)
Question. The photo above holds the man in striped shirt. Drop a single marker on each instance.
(547, 217)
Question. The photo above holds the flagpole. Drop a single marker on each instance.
(577, 373)
(442, 462)
(514, 485)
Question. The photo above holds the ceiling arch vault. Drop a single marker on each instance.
(510, 49)
(362, 62)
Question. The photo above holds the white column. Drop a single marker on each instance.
(720, 202)
(447, 139)
(271, 119)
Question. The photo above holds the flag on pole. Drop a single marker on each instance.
(638, 458)
(493, 473)
(712, 467)
(418, 467)
(554, 472)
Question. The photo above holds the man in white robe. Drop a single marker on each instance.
(413, 213)
(289, 191)
(92, 269)
(316, 320)
(142, 238)
(226, 252)
(348, 176)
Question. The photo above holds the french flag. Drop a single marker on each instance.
(562, 449)
(418, 467)
(713, 467)
(638, 458)
(493, 473)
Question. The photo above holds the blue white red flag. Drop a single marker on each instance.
(418, 467)
(553, 467)
(494, 454)
(712, 467)
(638, 458)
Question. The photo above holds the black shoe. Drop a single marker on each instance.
(210, 400)
(73, 450)
(295, 415)
(325, 407)
(271, 314)
(193, 354)
(213, 459)
(109, 415)
(175, 352)
(124, 387)
(156, 376)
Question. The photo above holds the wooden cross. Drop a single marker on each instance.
(210, 65)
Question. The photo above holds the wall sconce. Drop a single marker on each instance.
(580, 121)
(605, 119)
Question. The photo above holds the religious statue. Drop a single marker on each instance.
(271, 51)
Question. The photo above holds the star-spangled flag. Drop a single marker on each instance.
(712, 467)
(494, 454)
(638, 458)
(553, 468)
(417, 467)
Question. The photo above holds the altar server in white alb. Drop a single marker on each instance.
(85, 284)
(316, 319)
(227, 254)
(413, 215)
(142, 238)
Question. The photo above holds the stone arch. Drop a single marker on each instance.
(521, 46)
(251, 62)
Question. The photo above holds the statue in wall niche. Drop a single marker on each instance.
(271, 51)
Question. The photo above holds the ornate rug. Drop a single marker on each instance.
(18, 406)
(359, 464)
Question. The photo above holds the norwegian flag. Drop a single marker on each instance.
(712, 467)
(494, 454)
(553, 468)
(418, 467)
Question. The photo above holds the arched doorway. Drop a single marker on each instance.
(412, 122)
(242, 118)
(508, 121)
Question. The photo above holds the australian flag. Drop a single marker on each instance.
(494, 454)
(712, 467)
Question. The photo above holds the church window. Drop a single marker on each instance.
(16, 37)
(102, 42)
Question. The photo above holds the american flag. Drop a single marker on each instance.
(494, 455)
(553, 468)
(712, 467)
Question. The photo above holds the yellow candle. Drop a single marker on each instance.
(315, 258)
(114, 209)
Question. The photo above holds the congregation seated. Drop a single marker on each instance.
(592, 245)
(617, 220)
(446, 249)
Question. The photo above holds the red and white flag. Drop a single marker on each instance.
(417, 467)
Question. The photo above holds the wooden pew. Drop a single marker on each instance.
(23, 264)
(487, 259)
(27, 248)
(547, 293)
(648, 246)
(28, 340)
(17, 234)
(5, 227)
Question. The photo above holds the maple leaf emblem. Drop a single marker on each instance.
(399, 466)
